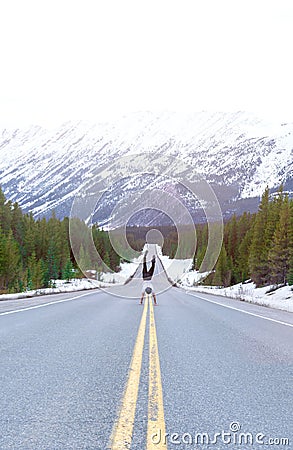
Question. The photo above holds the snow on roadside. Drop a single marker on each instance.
(175, 268)
(105, 279)
(127, 269)
(61, 286)
(190, 279)
(179, 271)
(281, 298)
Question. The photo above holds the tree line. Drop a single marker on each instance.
(256, 246)
(34, 253)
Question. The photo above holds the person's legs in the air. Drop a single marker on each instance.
(142, 296)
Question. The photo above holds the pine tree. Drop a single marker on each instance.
(243, 256)
(29, 236)
(42, 239)
(2, 207)
(232, 238)
(61, 250)
(258, 258)
(5, 213)
(46, 275)
(222, 275)
(279, 253)
(10, 270)
(67, 273)
(17, 225)
(35, 273)
(2, 258)
(114, 260)
(52, 264)
(64, 243)
(106, 262)
(274, 214)
(83, 260)
(290, 273)
(198, 258)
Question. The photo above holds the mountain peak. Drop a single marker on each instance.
(237, 153)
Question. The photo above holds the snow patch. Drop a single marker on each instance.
(281, 298)
(61, 287)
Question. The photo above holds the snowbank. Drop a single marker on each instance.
(127, 269)
(61, 286)
(190, 279)
(176, 268)
(281, 298)
(105, 279)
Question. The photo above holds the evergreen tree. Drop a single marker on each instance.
(52, 264)
(54, 229)
(35, 272)
(29, 236)
(279, 253)
(198, 258)
(46, 274)
(114, 260)
(274, 214)
(106, 261)
(290, 276)
(290, 273)
(10, 264)
(2, 257)
(17, 225)
(232, 238)
(42, 238)
(2, 208)
(83, 260)
(258, 258)
(222, 275)
(64, 243)
(5, 213)
(67, 273)
(243, 256)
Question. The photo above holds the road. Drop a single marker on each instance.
(93, 369)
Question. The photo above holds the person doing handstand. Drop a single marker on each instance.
(147, 275)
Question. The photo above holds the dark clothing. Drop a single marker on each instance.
(148, 274)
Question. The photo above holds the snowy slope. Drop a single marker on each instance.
(237, 153)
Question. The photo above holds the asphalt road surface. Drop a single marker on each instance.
(95, 370)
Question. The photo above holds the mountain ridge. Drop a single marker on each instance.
(237, 153)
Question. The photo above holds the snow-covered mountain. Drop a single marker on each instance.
(236, 153)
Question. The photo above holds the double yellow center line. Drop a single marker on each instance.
(123, 429)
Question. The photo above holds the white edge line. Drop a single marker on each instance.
(241, 310)
(43, 305)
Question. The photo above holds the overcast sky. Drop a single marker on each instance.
(91, 59)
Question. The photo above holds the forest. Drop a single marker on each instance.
(256, 246)
(35, 252)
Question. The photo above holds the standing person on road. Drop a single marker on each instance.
(147, 277)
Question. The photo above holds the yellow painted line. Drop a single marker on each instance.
(122, 432)
(156, 422)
